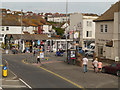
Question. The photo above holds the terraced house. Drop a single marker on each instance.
(107, 35)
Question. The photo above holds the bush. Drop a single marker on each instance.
(3, 45)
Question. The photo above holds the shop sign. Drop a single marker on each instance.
(76, 35)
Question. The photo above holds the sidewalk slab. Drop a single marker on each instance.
(87, 80)
(12, 81)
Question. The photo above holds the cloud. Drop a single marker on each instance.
(59, 0)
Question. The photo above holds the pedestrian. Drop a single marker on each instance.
(34, 52)
(85, 62)
(95, 63)
(99, 66)
(38, 58)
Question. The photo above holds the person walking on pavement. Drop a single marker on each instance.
(95, 63)
(38, 58)
(85, 62)
(99, 66)
(34, 52)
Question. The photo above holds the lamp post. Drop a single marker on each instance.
(21, 30)
(66, 25)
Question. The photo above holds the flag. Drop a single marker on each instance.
(71, 32)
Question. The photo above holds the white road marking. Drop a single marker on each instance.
(13, 86)
(13, 74)
(12, 80)
(25, 83)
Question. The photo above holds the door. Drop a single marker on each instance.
(100, 51)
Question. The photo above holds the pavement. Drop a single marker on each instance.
(75, 73)
(12, 81)
(55, 73)
(35, 77)
(51, 58)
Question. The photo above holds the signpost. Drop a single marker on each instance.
(38, 42)
(41, 55)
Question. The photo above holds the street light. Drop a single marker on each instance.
(21, 31)
(66, 25)
(66, 28)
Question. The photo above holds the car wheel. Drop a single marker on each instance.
(103, 70)
(118, 73)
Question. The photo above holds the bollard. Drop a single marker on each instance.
(4, 71)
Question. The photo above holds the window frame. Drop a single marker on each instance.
(3, 28)
(101, 28)
(7, 28)
(106, 28)
(1, 39)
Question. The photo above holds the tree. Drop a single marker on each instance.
(3, 45)
(59, 31)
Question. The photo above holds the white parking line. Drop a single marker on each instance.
(25, 83)
(13, 74)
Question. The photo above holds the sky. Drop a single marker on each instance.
(84, 6)
(59, 0)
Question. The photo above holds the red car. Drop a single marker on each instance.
(113, 68)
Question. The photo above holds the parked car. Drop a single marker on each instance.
(113, 69)
(89, 53)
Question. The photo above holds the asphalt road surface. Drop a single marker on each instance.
(35, 77)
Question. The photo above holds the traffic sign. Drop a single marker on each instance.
(38, 42)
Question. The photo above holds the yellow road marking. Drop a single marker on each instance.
(62, 77)
(24, 61)
(59, 76)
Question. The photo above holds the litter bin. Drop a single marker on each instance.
(4, 71)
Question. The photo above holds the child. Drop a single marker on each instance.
(95, 62)
(99, 66)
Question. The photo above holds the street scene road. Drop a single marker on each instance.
(37, 77)
(73, 45)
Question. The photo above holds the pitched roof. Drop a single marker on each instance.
(109, 14)
(89, 14)
(28, 36)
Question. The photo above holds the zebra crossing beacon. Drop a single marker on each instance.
(5, 69)
(4, 72)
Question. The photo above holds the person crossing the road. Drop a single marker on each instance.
(38, 59)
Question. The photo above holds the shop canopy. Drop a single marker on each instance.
(27, 36)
